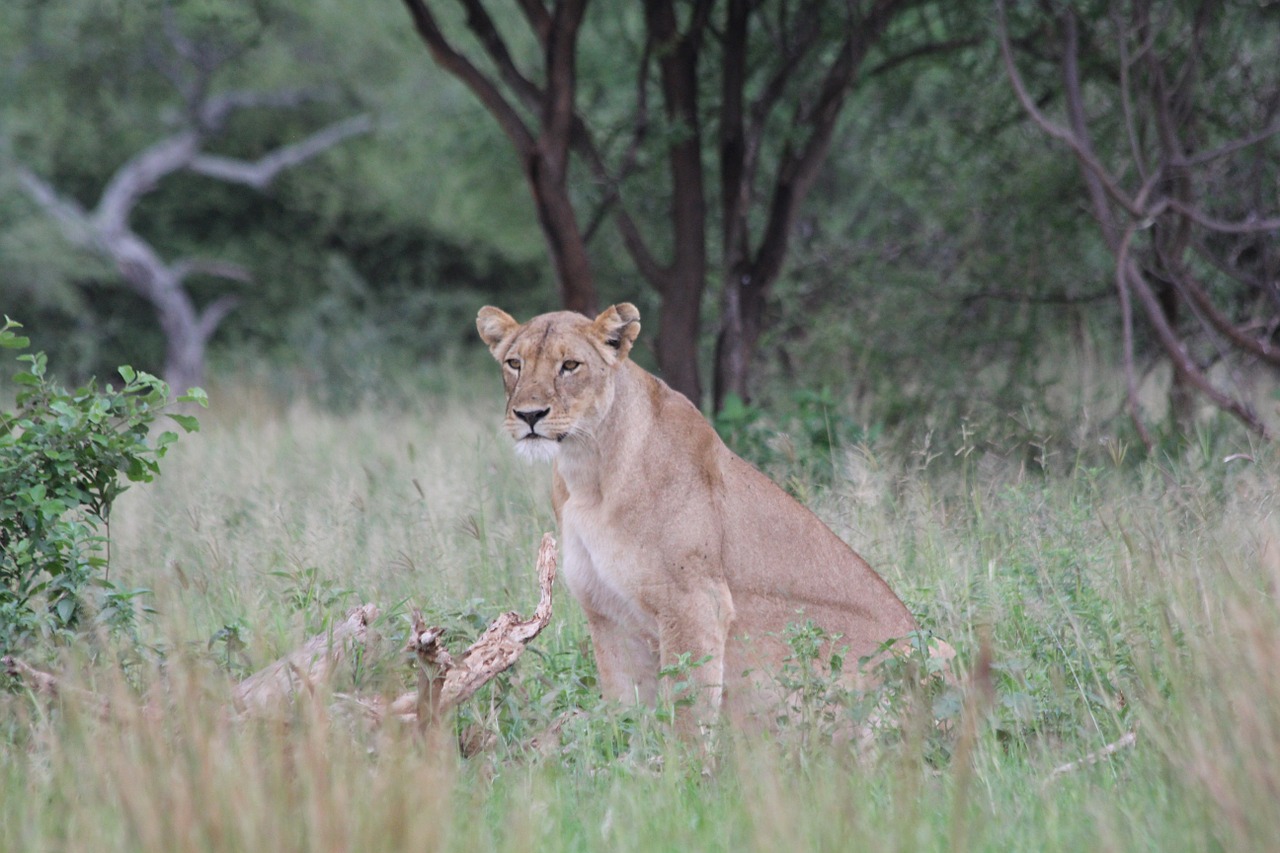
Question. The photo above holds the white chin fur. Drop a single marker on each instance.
(537, 449)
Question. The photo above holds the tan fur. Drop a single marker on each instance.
(671, 542)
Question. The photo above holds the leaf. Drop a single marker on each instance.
(195, 395)
(127, 373)
(65, 608)
(187, 422)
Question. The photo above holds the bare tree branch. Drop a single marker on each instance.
(186, 267)
(480, 85)
(309, 667)
(214, 313)
(1182, 362)
(107, 231)
(260, 173)
(932, 48)
(139, 176)
(479, 22)
(1127, 740)
(1083, 153)
(73, 218)
(798, 169)
(583, 143)
(1251, 225)
(558, 106)
(1226, 148)
(1098, 182)
(446, 682)
(539, 21)
(1234, 272)
(1196, 294)
(214, 111)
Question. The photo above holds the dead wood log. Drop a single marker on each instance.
(308, 667)
(53, 688)
(40, 683)
(444, 683)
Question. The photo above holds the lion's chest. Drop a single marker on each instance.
(602, 572)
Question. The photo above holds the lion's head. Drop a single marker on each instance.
(559, 371)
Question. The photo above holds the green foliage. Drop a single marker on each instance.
(303, 590)
(811, 677)
(62, 456)
(679, 683)
(797, 439)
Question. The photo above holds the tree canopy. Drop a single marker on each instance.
(897, 194)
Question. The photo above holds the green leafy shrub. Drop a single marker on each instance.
(796, 438)
(62, 458)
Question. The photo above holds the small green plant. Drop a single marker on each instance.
(304, 590)
(230, 639)
(740, 425)
(63, 455)
(681, 688)
(810, 677)
(914, 691)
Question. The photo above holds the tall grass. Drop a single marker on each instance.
(1116, 598)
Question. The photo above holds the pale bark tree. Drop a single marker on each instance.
(105, 229)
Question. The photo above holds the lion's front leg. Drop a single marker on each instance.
(692, 634)
(627, 661)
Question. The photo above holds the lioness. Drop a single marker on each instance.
(670, 541)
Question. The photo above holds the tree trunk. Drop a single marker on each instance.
(184, 363)
(184, 345)
(565, 244)
(682, 284)
(679, 313)
(741, 322)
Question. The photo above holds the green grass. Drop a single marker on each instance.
(1115, 598)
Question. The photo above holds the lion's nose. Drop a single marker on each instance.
(532, 416)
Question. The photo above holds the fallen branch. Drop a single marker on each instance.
(309, 666)
(1128, 740)
(41, 683)
(52, 687)
(444, 683)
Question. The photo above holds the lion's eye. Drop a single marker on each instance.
(570, 366)
(514, 364)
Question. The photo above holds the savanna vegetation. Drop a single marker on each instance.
(1014, 342)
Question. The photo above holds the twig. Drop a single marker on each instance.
(1128, 740)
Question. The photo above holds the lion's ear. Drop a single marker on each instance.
(618, 327)
(494, 325)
